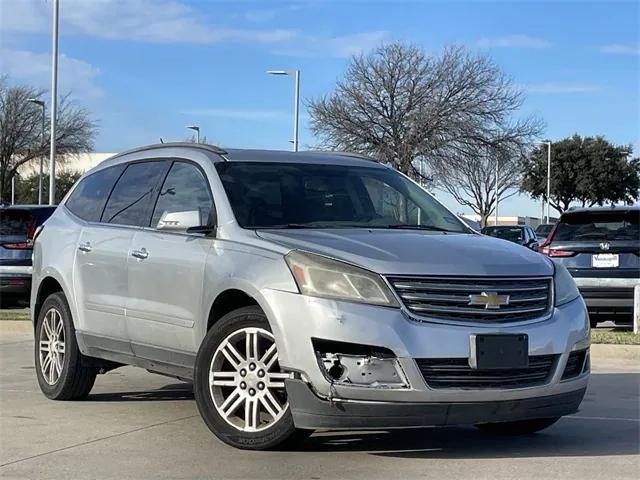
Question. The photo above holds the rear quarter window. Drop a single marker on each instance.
(88, 199)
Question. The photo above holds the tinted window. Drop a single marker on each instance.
(513, 234)
(544, 229)
(90, 195)
(598, 226)
(132, 198)
(184, 189)
(14, 222)
(282, 195)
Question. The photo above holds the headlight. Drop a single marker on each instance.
(319, 276)
(564, 285)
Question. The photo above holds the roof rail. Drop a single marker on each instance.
(344, 154)
(201, 146)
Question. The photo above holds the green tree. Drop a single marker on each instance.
(21, 139)
(27, 188)
(587, 170)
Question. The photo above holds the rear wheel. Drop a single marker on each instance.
(62, 373)
(522, 427)
(239, 386)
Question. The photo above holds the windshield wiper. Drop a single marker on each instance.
(433, 228)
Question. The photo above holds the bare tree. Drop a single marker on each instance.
(446, 111)
(21, 130)
(471, 178)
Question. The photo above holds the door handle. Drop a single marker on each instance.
(140, 254)
(85, 247)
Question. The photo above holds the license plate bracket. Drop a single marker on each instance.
(499, 351)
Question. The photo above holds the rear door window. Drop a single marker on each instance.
(88, 199)
(598, 226)
(135, 193)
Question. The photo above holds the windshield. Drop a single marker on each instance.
(599, 226)
(286, 195)
(513, 234)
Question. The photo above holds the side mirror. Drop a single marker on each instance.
(179, 221)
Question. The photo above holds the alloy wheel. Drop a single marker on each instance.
(245, 380)
(52, 346)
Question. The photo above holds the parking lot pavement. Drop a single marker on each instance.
(138, 425)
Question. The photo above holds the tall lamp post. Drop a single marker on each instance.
(196, 129)
(548, 144)
(54, 94)
(548, 178)
(35, 101)
(296, 105)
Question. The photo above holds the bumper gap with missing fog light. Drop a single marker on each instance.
(353, 364)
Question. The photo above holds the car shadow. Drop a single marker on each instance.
(174, 391)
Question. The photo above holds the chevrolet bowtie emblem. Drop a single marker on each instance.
(490, 300)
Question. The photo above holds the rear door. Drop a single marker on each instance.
(100, 276)
(167, 274)
(599, 243)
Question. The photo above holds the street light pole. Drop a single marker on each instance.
(296, 105)
(54, 94)
(196, 129)
(548, 179)
(41, 173)
(497, 194)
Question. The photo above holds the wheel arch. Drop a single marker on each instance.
(48, 285)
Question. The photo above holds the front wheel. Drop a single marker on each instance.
(521, 427)
(239, 386)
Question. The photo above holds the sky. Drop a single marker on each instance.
(147, 68)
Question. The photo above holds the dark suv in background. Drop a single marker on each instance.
(520, 234)
(601, 249)
(18, 224)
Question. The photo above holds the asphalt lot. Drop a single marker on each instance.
(139, 425)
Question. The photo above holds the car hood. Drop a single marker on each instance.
(407, 252)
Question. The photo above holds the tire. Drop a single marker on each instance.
(522, 427)
(248, 387)
(65, 375)
(593, 323)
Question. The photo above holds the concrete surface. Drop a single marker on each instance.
(138, 425)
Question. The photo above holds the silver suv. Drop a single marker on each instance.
(301, 291)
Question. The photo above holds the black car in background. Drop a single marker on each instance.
(18, 224)
(601, 249)
(520, 234)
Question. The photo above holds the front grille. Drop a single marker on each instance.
(456, 373)
(575, 363)
(450, 298)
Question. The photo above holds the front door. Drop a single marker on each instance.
(166, 269)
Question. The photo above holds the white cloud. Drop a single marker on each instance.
(621, 49)
(551, 87)
(75, 75)
(340, 46)
(513, 41)
(169, 21)
(236, 114)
